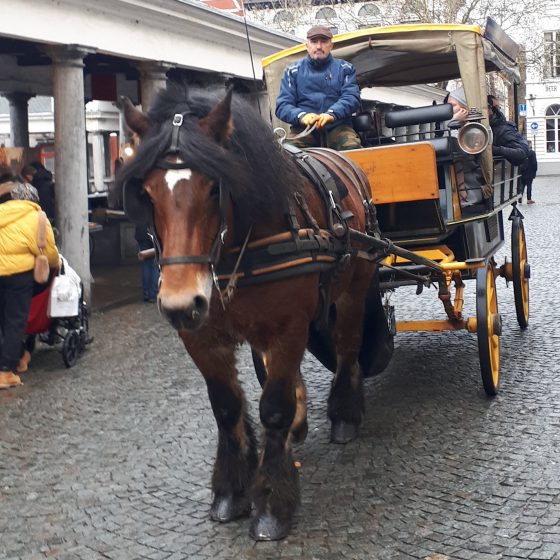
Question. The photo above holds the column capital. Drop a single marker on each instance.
(18, 97)
(69, 55)
(153, 69)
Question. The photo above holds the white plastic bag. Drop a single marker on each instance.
(64, 299)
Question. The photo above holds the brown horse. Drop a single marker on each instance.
(217, 188)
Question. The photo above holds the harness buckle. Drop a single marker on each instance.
(223, 235)
(331, 198)
(177, 119)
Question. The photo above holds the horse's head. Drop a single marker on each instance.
(186, 204)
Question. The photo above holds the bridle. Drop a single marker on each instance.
(213, 257)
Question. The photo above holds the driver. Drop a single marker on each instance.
(320, 90)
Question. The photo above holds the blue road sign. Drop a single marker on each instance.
(522, 110)
(534, 126)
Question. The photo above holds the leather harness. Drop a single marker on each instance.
(304, 249)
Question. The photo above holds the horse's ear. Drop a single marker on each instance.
(135, 119)
(218, 123)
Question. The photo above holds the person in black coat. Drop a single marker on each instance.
(41, 178)
(508, 142)
(528, 173)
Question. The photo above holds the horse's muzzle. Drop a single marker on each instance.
(190, 317)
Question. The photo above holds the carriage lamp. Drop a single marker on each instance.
(474, 137)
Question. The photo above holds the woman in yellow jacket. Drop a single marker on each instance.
(19, 221)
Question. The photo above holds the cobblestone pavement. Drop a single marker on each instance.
(113, 458)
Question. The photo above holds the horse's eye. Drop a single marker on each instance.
(215, 190)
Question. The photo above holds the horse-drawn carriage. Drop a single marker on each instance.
(289, 250)
(413, 165)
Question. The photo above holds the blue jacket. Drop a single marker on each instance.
(326, 87)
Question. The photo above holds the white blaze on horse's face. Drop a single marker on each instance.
(186, 287)
(173, 176)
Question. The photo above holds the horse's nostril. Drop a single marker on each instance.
(200, 306)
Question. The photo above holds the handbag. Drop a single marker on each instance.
(41, 268)
(65, 293)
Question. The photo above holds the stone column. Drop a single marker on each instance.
(71, 181)
(19, 119)
(152, 78)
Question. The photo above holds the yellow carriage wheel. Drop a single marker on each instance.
(521, 271)
(489, 328)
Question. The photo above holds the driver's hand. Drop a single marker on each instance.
(309, 119)
(324, 119)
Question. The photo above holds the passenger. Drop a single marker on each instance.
(18, 248)
(467, 172)
(320, 90)
(458, 101)
(508, 142)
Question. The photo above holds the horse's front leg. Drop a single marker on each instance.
(276, 491)
(346, 398)
(236, 458)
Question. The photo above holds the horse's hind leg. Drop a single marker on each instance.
(276, 491)
(346, 398)
(236, 458)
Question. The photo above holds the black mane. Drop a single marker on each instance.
(259, 175)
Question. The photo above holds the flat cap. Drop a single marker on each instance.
(319, 31)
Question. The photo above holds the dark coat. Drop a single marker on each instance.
(508, 142)
(42, 181)
(529, 166)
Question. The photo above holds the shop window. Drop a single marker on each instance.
(327, 16)
(369, 16)
(552, 54)
(283, 20)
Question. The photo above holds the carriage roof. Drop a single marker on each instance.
(411, 54)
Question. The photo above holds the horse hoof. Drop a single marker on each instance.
(228, 508)
(343, 432)
(266, 527)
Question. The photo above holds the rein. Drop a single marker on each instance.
(283, 137)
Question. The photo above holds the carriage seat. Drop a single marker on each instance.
(368, 127)
(364, 122)
(423, 115)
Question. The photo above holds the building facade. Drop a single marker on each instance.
(543, 96)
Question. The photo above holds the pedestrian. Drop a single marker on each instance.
(19, 221)
(320, 90)
(150, 269)
(528, 173)
(41, 178)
